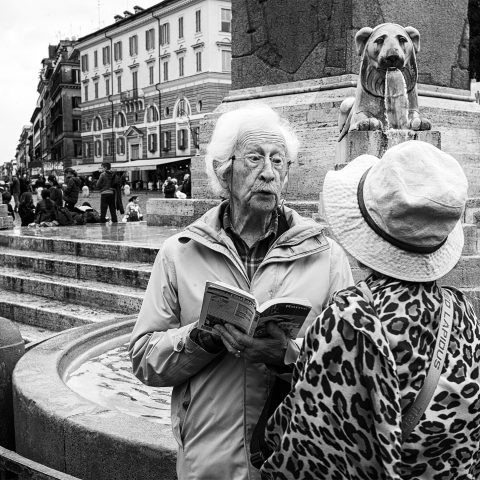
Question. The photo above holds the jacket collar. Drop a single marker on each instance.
(304, 234)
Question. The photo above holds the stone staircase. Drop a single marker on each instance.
(51, 284)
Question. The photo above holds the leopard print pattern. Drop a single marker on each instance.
(360, 367)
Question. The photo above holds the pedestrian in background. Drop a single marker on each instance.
(6, 200)
(107, 193)
(132, 211)
(45, 210)
(15, 191)
(26, 209)
(72, 189)
(56, 192)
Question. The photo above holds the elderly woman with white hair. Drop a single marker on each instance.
(387, 385)
(221, 382)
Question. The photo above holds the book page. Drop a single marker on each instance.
(220, 306)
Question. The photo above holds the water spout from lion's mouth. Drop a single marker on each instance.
(396, 99)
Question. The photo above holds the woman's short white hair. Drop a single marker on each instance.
(228, 128)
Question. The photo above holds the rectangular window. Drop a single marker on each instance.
(226, 20)
(107, 87)
(181, 67)
(86, 150)
(117, 51)
(226, 60)
(106, 55)
(77, 125)
(119, 84)
(180, 27)
(76, 75)
(198, 57)
(165, 34)
(108, 147)
(133, 44)
(135, 80)
(151, 74)
(166, 141)
(165, 71)
(121, 146)
(77, 149)
(152, 142)
(135, 149)
(196, 136)
(182, 138)
(150, 39)
(85, 63)
(198, 21)
(76, 102)
(95, 59)
(85, 93)
(95, 86)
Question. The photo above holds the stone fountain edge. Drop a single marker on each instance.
(58, 428)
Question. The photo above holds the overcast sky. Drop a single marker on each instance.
(27, 27)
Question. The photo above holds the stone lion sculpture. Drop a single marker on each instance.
(386, 95)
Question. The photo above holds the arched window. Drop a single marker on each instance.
(121, 119)
(97, 124)
(183, 108)
(121, 146)
(98, 148)
(152, 114)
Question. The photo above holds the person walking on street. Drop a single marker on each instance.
(72, 190)
(107, 193)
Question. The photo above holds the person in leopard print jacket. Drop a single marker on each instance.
(365, 358)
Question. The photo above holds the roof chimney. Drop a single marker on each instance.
(127, 13)
(137, 9)
(117, 18)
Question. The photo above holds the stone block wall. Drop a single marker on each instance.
(277, 41)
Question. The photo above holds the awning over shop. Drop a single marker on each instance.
(86, 168)
(148, 164)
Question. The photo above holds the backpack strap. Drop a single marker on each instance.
(420, 404)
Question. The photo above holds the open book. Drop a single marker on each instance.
(224, 303)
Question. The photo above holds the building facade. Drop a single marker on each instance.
(147, 81)
(56, 119)
(23, 154)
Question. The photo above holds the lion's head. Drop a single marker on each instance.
(387, 46)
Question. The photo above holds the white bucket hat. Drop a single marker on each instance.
(400, 215)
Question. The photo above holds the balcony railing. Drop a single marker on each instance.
(133, 94)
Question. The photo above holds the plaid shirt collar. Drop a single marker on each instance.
(253, 256)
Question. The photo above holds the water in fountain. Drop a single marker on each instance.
(108, 381)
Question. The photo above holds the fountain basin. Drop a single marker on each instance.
(60, 428)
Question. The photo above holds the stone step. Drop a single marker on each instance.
(88, 246)
(34, 334)
(49, 314)
(117, 298)
(133, 274)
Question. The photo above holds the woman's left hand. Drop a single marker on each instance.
(269, 350)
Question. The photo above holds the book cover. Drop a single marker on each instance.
(224, 303)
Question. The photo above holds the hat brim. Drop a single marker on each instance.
(354, 234)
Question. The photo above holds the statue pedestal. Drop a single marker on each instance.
(376, 142)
